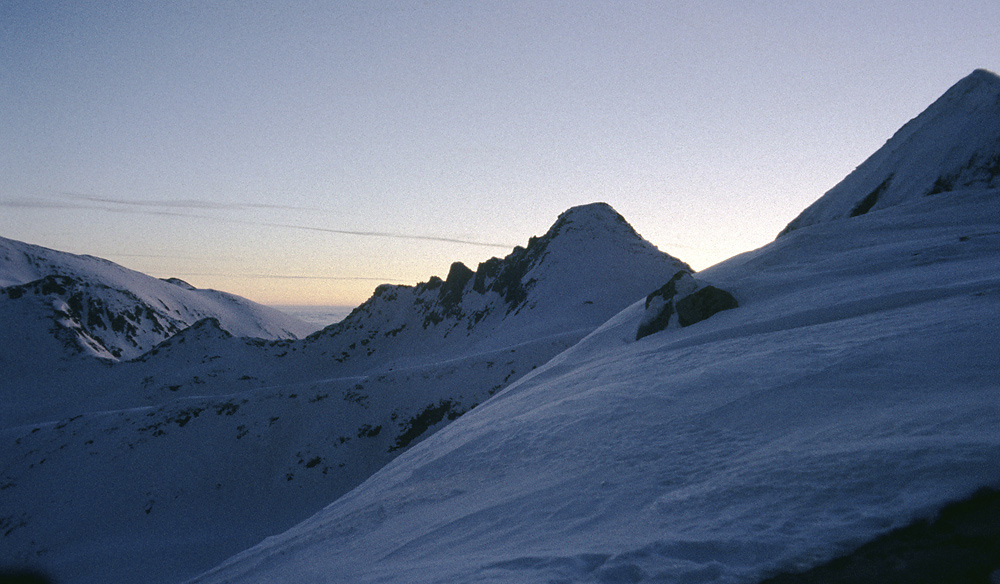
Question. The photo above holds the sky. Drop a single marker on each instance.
(303, 152)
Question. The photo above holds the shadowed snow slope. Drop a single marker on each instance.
(953, 144)
(853, 390)
(160, 467)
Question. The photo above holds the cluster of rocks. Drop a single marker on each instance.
(689, 299)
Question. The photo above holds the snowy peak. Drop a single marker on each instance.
(588, 228)
(978, 90)
(579, 241)
(953, 145)
(588, 266)
(595, 218)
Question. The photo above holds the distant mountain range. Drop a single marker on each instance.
(105, 310)
(586, 409)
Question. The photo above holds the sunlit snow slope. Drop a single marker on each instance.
(853, 390)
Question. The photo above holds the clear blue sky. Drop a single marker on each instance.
(255, 147)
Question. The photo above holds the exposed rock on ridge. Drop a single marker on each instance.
(104, 322)
(576, 275)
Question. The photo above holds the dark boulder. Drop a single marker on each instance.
(691, 300)
(703, 303)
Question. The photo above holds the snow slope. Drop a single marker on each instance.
(209, 442)
(853, 390)
(953, 144)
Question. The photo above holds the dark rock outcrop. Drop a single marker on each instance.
(451, 290)
(962, 545)
(692, 301)
(703, 303)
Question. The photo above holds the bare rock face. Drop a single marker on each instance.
(691, 300)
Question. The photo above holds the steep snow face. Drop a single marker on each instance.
(954, 144)
(852, 390)
(116, 313)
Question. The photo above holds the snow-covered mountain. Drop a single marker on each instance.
(569, 280)
(210, 442)
(954, 144)
(853, 390)
(67, 318)
(102, 309)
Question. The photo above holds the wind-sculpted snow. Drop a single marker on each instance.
(210, 442)
(852, 391)
(954, 144)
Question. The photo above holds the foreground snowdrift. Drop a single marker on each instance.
(853, 390)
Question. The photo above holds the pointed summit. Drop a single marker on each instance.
(587, 266)
(978, 80)
(598, 217)
(954, 144)
(585, 235)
